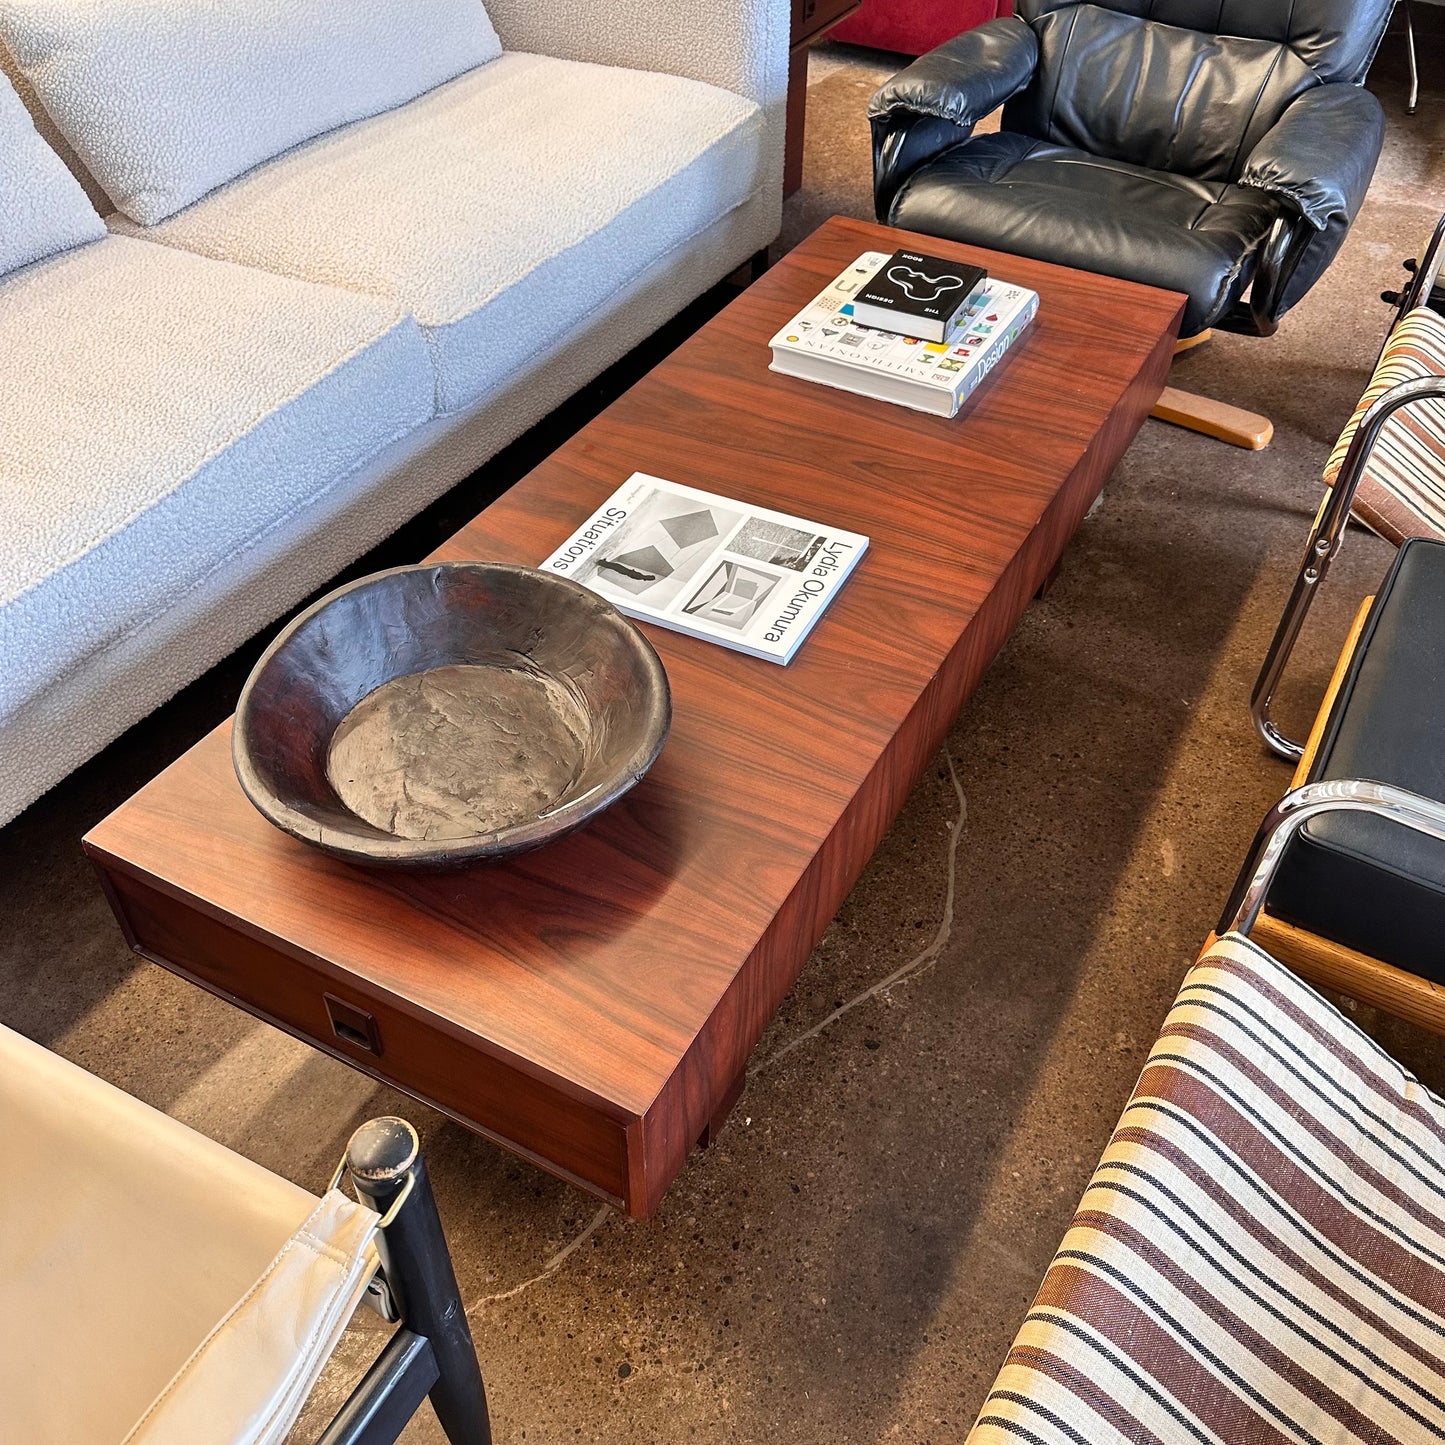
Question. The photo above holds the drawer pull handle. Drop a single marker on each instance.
(352, 1025)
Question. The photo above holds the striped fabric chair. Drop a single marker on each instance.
(1401, 493)
(1260, 1255)
(1261, 1252)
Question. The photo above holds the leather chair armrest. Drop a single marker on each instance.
(1321, 153)
(937, 101)
(1318, 159)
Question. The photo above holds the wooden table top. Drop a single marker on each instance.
(628, 970)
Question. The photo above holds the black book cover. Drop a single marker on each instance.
(920, 295)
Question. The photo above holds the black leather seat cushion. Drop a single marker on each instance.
(1013, 193)
(1363, 881)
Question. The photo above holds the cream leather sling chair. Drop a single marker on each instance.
(157, 1289)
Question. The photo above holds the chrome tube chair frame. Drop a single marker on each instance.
(1293, 811)
(1413, 103)
(432, 1354)
(1325, 539)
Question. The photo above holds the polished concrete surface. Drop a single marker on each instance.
(849, 1262)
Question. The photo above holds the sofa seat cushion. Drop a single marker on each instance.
(1402, 493)
(1011, 192)
(1376, 886)
(499, 210)
(1258, 1256)
(166, 411)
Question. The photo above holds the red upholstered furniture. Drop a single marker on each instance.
(915, 26)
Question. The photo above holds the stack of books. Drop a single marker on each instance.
(906, 328)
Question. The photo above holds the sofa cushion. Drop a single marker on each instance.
(42, 206)
(164, 100)
(500, 209)
(915, 27)
(169, 412)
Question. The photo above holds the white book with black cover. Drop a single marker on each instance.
(824, 343)
(750, 578)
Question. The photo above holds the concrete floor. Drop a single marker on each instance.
(850, 1261)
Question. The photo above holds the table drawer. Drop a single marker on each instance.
(567, 1136)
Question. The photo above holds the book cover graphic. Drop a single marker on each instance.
(749, 578)
(826, 328)
(917, 291)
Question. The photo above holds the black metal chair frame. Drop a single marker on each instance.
(432, 1353)
(1423, 288)
(1327, 533)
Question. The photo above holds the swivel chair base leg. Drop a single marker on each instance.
(1214, 419)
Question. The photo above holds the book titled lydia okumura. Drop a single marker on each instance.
(752, 579)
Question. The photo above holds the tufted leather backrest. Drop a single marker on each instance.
(1187, 86)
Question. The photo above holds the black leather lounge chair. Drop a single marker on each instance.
(1220, 148)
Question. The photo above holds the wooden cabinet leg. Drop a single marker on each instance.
(724, 1108)
(795, 126)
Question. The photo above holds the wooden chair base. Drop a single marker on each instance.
(1331, 965)
(1215, 419)
(1332, 692)
(1188, 343)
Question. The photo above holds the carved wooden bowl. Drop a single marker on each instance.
(432, 716)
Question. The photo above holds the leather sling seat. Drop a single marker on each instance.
(1362, 881)
(156, 1288)
(1139, 144)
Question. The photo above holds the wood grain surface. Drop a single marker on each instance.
(592, 1005)
(1332, 692)
(1327, 964)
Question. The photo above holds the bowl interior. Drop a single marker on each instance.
(449, 710)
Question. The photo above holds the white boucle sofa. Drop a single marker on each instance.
(204, 419)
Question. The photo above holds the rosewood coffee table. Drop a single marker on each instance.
(591, 1006)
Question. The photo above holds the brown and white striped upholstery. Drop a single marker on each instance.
(1402, 493)
(1260, 1255)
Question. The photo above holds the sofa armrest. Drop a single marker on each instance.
(936, 102)
(740, 45)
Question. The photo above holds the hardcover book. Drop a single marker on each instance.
(917, 295)
(825, 343)
(752, 579)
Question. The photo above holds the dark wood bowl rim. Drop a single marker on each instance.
(372, 846)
